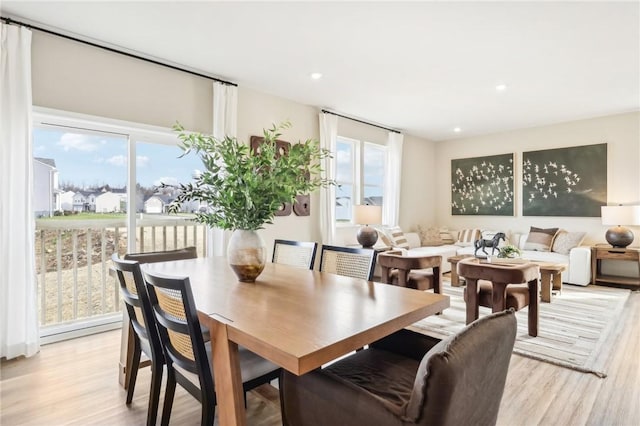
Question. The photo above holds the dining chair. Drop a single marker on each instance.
(418, 272)
(163, 256)
(187, 358)
(145, 333)
(133, 355)
(301, 254)
(409, 378)
(348, 261)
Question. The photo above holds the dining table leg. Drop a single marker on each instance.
(225, 364)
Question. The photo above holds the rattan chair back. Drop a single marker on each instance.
(348, 261)
(300, 254)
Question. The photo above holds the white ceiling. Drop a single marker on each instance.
(422, 67)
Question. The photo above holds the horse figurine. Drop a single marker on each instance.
(493, 243)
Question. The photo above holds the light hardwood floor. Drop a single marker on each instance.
(75, 383)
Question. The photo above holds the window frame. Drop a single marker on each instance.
(357, 172)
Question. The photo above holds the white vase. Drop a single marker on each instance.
(246, 254)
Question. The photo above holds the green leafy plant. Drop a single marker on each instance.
(509, 251)
(243, 188)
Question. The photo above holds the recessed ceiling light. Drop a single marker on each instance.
(457, 129)
(501, 87)
(316, 75)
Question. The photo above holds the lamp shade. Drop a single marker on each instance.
(367, 215)
(620, 215)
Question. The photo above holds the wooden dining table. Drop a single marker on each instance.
(296, 318)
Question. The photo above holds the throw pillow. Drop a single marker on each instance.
(540, 239)
(565, 241)
(397, 237)
(446, 237)
(466, 237)
(383, 237)
(429, 236)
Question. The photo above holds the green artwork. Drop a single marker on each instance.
(482, 185)
(565, 181)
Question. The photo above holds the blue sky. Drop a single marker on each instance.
(92, 159)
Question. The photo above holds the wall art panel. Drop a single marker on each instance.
(482, 185)
(565, 181)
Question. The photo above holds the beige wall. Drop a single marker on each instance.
(71, 76)
(256, 111)
(74, 77)
(620, 132)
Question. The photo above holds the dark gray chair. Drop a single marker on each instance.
(409, 379)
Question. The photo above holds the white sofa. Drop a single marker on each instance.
(578, 260)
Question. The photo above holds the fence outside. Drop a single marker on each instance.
(73, 258)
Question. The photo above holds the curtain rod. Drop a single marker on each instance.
(111, 49)
(361, 121)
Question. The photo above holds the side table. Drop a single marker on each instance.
(550, 278)
(453, 260)
(600, 253)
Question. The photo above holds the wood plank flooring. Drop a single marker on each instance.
(75, 383)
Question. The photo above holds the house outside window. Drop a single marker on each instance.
(360, 169)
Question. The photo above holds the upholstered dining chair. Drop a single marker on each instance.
(409, 379)
(418, 272)
(187, 358)
(301, 254)
(145, 334)
(499, 287)
(348, 261)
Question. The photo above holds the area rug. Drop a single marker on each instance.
(576, 329)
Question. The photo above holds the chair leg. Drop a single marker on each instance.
(168, 396)
(533, 308)
(135, 366)
(208, 409)
(154, 395)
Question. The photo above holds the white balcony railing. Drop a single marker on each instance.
(73, 259)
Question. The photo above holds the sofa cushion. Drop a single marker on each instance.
(384, 238)
(429, 236)
(446, 236)
(466, 237)
(540, 239)
(565, 241)
(397, 237)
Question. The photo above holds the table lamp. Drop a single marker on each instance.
(367, 215)
(619, 236)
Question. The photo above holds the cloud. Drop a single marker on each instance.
(117, 160)
(142, 160)
(70, 141)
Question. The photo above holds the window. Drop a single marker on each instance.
(360, 169)
(96, 192)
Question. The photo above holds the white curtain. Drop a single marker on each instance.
(18, 285)
(393, 172)
(328, 137)
(225, 123)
